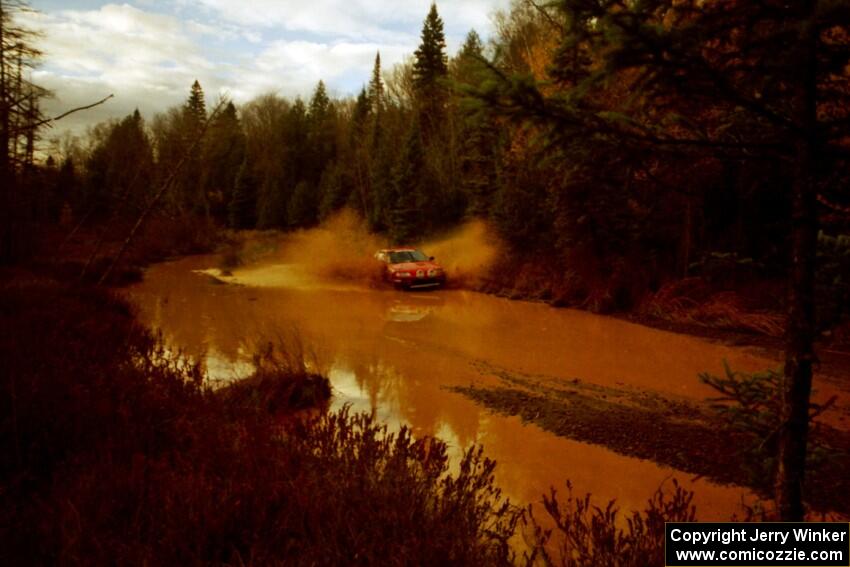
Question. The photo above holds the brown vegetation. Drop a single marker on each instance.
(83, 255)
(692, 301)
(118, 453)
(588, 535)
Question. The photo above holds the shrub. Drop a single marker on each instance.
(590, 536)
(115, 452)
(752, 404)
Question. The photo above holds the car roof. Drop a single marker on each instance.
(398, 249)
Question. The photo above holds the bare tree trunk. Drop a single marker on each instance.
(800, 331)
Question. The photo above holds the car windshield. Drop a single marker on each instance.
(407, 256)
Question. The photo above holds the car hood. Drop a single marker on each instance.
(416, 266)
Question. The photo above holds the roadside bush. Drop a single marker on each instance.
(752, 404)
(586, 535)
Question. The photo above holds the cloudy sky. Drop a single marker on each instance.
(148, 52)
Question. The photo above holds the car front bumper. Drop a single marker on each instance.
(420, 283)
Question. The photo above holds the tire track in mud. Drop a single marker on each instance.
(678, 433)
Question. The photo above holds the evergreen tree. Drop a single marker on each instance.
(380, 173)
(379, 153)
(431, 63)
(191, 179)
(273, 204)
(359, 197)
(296, 133)
(322, 136)
(478, 132)
(129, 146)
(242, 209)
(195, 109)
(332, 190)
(119, 167)
(360, 116)
(376, 87)
(430, 68)
(303, 206)
(319, 104)
(224, 153)
(408, 189)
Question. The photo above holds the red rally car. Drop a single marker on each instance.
(409, 268)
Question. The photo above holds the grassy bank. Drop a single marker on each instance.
(726, 300)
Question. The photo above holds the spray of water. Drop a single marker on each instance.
(342, 249)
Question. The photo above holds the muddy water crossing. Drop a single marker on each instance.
(399, 355)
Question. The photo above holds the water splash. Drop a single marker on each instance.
(342, 250)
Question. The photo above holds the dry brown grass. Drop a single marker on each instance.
(691, 301)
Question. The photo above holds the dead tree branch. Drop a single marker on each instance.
(64, 114)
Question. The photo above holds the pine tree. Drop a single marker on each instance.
(319, 104)
(436, 122)
(380, 172)
(408, 189)
(195, 109)
(360, 115)
(190, 186)
(272, 204)
(242, 209)
(120, 167)
(376, 87)
(379, 154)
(322, 136)
(430, 68)
(296, 133)
(479, 134)
(468, 68)
(303, 206)
(224, 153)
(431, 63)
(333, 191)
(359, 197)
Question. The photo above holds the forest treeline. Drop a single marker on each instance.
(584, 148)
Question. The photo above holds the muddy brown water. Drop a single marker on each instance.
(395, 354)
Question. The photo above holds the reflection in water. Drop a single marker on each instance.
(392, 354)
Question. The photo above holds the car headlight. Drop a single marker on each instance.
(403, 274)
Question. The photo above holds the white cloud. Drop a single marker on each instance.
(294, 67)
(147, 60)
(374, 20)
(149, 57)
